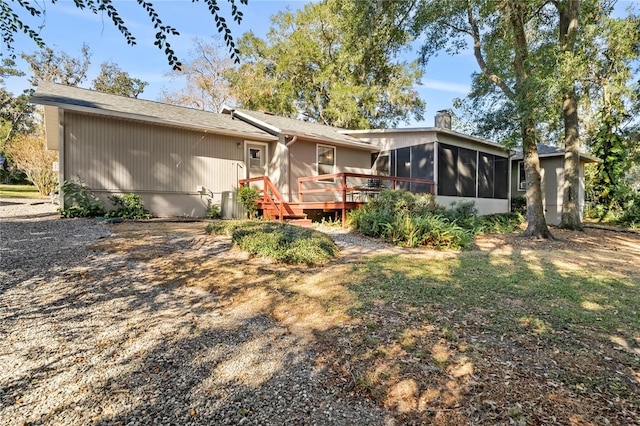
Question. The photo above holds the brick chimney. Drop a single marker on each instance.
(443, 119)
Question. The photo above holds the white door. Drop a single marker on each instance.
(256, 159)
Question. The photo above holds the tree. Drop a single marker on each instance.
(611, 96)
(15, 112)
(29, 154)
(47, 65)
(500, 33)
(316, 65)
(115, 81)
(12, 23)
(569, 11)
(206, 88)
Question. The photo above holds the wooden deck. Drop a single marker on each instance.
(334, 193)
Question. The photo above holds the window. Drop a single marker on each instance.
(254, 157)
(492, 176)
(447, 170)
(422, 166)
(467, 165)
(326, 161)
(456, 171)
(522, 177)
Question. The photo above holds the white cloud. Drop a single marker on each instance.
(445, 86)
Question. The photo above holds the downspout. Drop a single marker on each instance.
(287, 145)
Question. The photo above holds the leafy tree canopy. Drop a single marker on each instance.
(115, 81)
(317, 65)
(62, 68)
(12, 22)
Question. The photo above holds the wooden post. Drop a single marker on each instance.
(344, 200)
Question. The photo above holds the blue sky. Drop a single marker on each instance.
(66, 28)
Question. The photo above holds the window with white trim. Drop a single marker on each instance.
(522, 177)
(326, 160)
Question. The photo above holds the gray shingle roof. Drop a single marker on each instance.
(553, 151)
(76, 99)
(291, 127)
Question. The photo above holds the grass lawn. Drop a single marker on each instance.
(19, 191)
(516, 331)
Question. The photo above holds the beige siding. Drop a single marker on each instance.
(304, 163)
(552, 173)
(387, 141)
(164, 164)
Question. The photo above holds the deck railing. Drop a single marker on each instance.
(350, 187)
(270, 197)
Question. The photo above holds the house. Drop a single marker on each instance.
(463, 167)
(180, 159)
(177, 159)
(551, 173)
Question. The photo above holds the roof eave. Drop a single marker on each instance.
(137, 117)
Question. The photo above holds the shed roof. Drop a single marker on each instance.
(278, 125)
(84, 100)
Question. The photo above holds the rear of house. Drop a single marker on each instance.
(177, 159)
(463, 168)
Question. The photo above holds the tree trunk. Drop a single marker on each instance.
(568, 27)
(536, 222)
(571, 182)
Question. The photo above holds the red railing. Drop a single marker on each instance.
(369, 184)
(270, 196)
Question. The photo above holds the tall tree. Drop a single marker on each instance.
(47, 65)
(500, 33)
(15, 111)
(11, 22)
(112, 79)
(315, 65)
(569, 11)
(611, 101)
(206, 87)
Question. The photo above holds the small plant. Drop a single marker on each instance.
(519, 205)
(278, 241)
(79, 201)
(248, 197)
(213, 210)
(128, 206)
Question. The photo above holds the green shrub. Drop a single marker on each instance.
(248, 197)
(128, 206)
(519, 205)
(79, 201)
(213, 210)
(417, 220)
(278, 241)
(630, 215)
(411, 220)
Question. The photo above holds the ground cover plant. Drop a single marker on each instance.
(412, 220)
(278, 241)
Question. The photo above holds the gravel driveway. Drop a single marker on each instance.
(86, 338)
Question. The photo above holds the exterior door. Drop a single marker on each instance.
(256, 159)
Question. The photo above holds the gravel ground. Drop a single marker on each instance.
(87, 339)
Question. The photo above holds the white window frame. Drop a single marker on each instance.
(522, 184)
(335, 162)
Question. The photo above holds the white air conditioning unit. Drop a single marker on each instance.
(524, 185)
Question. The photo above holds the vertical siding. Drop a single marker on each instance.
(126, 156)
(304, 163)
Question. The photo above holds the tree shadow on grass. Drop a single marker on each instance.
(504, 335)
